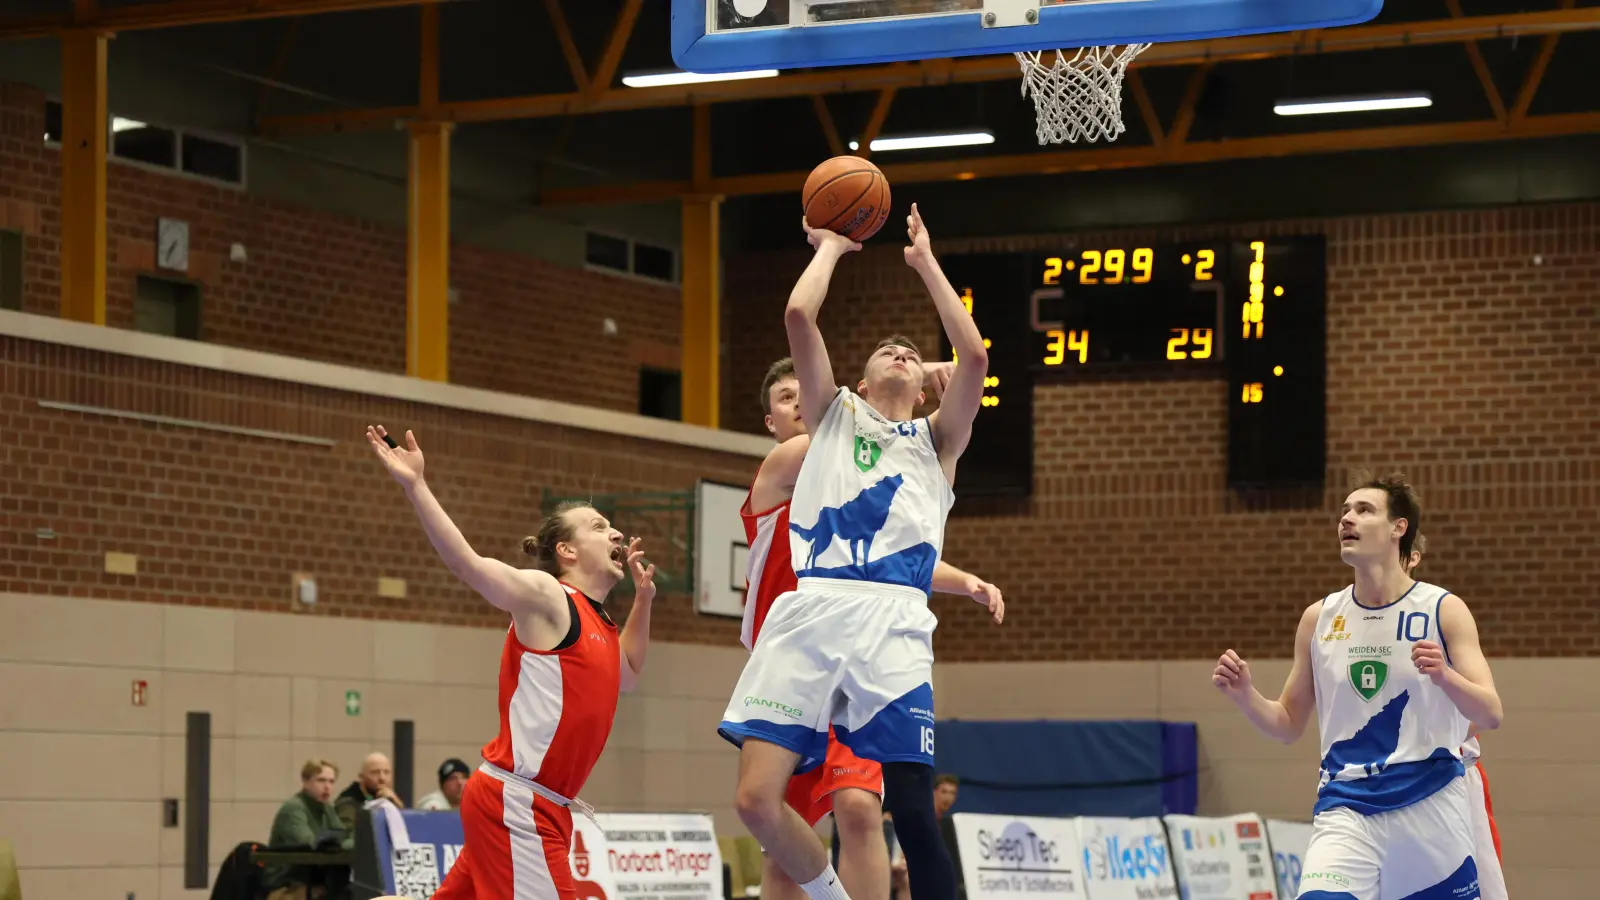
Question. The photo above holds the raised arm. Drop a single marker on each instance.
(952, 422)
(811, 365)
(514, 590)
(1285, 718)
(775, 480)
(1464, 674)
(634, 641)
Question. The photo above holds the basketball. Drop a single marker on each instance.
(848, 196)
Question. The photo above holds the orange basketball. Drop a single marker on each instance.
(847, 195)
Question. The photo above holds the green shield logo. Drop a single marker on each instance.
(1367, 677)
(867, 453)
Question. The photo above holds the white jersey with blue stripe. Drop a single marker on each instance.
(871, 499)
(1390, 736)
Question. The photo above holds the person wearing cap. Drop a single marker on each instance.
(453, 774)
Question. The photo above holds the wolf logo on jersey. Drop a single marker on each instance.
(1390, 737)
(871, 500)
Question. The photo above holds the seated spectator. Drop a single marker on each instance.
(306, 820)
(373, 782)
(453, 775)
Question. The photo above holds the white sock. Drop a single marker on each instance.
(825, 886)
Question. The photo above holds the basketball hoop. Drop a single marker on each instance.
(1078, 96)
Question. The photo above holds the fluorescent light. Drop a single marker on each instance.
(120, 124)
(927, 141)
(665, 79)
(1365, 103)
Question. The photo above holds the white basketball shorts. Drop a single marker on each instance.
(858, 655)
(1421, 852)
(1491, 880)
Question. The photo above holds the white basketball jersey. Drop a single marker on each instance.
(871, 500)
(1390, 736)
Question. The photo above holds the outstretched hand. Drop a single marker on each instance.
(921, 249)
(988, 595)
(822, 237)
(404, 463)
(644, 578)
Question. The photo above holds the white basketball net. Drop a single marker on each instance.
(1078, 96)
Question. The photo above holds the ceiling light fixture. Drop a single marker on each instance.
(675, 77)
(1364, 103)
(928, 141)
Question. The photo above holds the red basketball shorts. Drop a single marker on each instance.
(516, 846)
(811, 794)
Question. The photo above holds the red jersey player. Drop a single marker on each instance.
(563, 664)
(846, 785)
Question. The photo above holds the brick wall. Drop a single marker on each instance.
(324, 287)
(224, 520)
(1452, 355)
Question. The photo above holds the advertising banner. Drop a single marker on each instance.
(1221, 858)
(1289, 843)
(629, 856)
(1008, 857)
(1126, 859)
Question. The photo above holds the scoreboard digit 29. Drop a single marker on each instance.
(1250, 311)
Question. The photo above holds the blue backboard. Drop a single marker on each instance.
(713, 36)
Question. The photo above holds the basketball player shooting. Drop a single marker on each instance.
(849, 787)
(1485, 835)
(852, 646)
(560, 671)
(1393, 669)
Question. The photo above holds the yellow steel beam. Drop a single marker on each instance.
(620, 33)
(1147, 110)
(1475, 56)
(1530, 84)
(280, 61)
(142, 16)
(880, 113)
(569, 48)
(600, 98)
(1132, 157)
(830, 132)
(1191, 98)
(701, 340)
(428, 253)
(85, 125)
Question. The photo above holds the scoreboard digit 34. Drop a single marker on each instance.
(1252, 312)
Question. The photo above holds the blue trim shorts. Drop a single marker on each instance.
(1419, 852)
(857, 655)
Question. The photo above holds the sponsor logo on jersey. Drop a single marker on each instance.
(774, 705)
(867, 453)
(1337, 632)
(1318, 878)
(1372, 618)
(1367, 677)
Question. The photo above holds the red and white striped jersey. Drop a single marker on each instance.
(557, 706)
(770, 571)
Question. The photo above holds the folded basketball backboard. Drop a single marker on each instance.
(713, 36)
